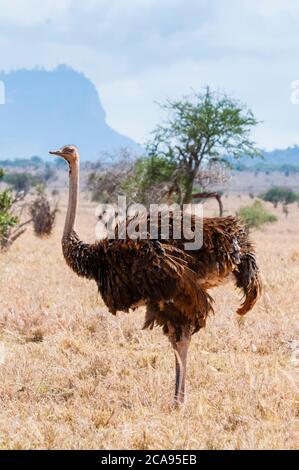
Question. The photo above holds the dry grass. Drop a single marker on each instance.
(73, 376)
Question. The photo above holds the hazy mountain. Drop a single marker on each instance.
(289, 156)
(46, 109)
(277, 157)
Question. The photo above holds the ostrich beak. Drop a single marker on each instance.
(56, 152)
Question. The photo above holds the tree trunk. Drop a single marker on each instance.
(214, 195)
(187, 199)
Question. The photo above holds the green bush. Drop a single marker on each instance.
(21, 182)
(10, 226)
(7, 219)
(280, 194)
(256, 215)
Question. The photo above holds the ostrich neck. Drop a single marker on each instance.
(70, 219)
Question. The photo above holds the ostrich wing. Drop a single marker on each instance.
(131, 272)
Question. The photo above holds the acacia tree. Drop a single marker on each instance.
(200, 131)
(280, 194)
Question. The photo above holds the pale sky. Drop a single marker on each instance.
(138, 52)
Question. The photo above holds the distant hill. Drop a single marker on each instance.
(47, 109)
(278, 159)
(289, 156)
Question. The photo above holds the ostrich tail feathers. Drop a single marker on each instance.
(249, 280)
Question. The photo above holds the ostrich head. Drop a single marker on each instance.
(69, 152)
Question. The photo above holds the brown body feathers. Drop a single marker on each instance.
(171, 282)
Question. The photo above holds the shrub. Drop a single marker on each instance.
(7, 219)
(10, 226)
(21, 182)
(43, 216)
(256, 215)
(106, 184)
(280, 194)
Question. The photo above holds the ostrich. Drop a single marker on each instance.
(160, 274)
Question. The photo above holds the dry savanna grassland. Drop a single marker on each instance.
(73, 376)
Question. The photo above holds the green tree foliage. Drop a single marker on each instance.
(21, 182)
(34, 162)
(10, 226)
(7, 219)
(279, 194)
(199, 131)
(147, 173)
(255, 215)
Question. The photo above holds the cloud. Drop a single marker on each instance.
(140, 51)
(29, 13)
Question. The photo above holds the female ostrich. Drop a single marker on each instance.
(160, 274)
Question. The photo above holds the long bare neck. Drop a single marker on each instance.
(70, 219)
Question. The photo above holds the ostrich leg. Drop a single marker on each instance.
(180, 348)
